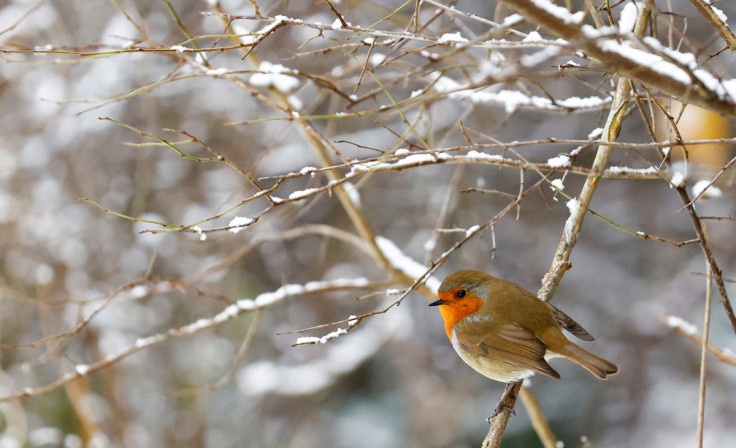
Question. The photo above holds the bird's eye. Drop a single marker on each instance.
(460, 294)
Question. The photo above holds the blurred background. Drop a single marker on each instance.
(394, 379)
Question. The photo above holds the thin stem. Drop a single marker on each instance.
(539, 421)
(715, 270)
(703, 354)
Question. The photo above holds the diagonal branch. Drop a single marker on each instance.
(715, 270)
(635, 64)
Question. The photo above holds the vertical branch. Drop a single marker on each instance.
(573, 226)
(704, 354)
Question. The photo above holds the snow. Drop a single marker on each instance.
(682, 324)
(179, 48)
(595, 134)
(353, 194)
(475, 155)
(341, 356)
(43, 436)
(724, 89)
(512, 99)
(628, 170)
(512, 20)
(405, 264)
(302, 193)
(451, 38)
(377, 58)
(320, 340)
(272, 75)
(471, 230)
(217, 71)
(198, 230)
(560, 12)
(561, 161)
(575, 102)
(701, 187)
(288, 290)
(239, 223)
(718, 13)
(646, 59)
(81, 369)
(678, 180)
(557, 183)
(532, 37)
(574, 206)
(336, 25)
(247, 40)
(628, 17)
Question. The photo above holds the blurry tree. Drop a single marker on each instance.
(219, 218)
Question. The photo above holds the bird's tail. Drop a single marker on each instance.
(592, 363)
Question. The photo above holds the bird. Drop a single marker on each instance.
(506, 333)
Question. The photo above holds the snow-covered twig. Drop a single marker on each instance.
(263, 300)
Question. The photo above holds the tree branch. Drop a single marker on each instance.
(623, 59)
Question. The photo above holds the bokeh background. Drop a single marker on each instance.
(393, 380)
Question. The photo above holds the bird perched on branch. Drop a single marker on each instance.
(506, 333)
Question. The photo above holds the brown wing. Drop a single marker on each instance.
(512, 345)
(570, 325)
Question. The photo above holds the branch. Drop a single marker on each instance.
(705, 245)
(578, 209)
(243, 306)
(703, 355)
(709, 12)
(690, 85)
(690, 331)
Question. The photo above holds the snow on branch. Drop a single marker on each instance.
(511, 100)
(338, 358)
(406, 264)
(665, 71)
(263, 300)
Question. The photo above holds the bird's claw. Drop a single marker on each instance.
(500, 408)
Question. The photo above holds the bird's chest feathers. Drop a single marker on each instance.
(452, 314)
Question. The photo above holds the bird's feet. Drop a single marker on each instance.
(500, 408)
(502, 405)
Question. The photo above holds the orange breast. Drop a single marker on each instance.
(456, 309)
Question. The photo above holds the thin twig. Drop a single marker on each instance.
(715, 270)
(539, 421)
(706, 9)
(725, 356)
(703, 355)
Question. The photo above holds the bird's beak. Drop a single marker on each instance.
(438, 302)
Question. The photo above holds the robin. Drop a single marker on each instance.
(506, 333)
